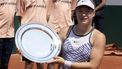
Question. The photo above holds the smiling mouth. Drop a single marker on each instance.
(84, 18)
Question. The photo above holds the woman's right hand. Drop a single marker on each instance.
(58, 60)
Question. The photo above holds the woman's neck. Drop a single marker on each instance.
(82, 30)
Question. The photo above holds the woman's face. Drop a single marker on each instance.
(84, 14)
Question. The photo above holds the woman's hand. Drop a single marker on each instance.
(58, 60)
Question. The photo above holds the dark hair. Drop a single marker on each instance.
(74, 18)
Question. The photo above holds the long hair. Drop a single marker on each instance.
(74, 18)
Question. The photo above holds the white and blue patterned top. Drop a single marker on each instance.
(77, 48)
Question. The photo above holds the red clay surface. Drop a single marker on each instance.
(16, 63)
(109, 62)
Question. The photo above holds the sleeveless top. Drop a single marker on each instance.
(77, 48)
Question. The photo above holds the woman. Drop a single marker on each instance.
(83, 48)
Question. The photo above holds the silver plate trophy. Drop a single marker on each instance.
(37, 42)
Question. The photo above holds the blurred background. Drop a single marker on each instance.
(113, 22)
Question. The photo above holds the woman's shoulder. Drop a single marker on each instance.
(98, 34)
(98, 38)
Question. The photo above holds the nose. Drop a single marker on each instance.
(83, 14)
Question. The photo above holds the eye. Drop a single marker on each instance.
(87, 11)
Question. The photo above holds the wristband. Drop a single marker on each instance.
(67, 63)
